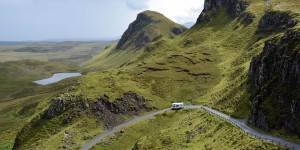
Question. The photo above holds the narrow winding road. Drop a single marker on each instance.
(238, 123)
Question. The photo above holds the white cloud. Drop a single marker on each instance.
(180, 11)
(137, 4)
(44, 19)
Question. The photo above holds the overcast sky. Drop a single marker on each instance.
(81, 19)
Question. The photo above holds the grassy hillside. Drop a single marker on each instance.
(109, 59)
(20, 99)
(206, 65)
(15, 113)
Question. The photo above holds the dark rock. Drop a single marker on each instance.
(275, 21)
(86, 137)
(204, 18)
(135, 147)
(178, 31)
(57, 106)
(234, 7)
(274, 79)
(122, 131)
(237, 7)
(247, 18)
(150, 48)
(67, 120)
(186, 42)
(141, 21)
(131, 103)
(64, 146)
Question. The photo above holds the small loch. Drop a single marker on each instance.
(56, 78)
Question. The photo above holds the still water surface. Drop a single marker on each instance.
(56, 77)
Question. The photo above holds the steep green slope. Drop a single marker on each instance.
(207, 65)
(149, 27)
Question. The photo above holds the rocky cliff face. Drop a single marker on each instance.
(276, 21)
(234, 7)
(274, 77)
(141, 21)
(146, 28)
(131, 103)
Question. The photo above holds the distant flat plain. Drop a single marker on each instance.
(66, 52)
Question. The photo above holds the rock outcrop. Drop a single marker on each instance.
(274, 79)
(148, 27)
(234, 7)
(57, 107)
(131, 103)
(276, 21)
(178, 30)
(247, 18)
(110, 112)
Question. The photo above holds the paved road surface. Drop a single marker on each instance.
(238, 123)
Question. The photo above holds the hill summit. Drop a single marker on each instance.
(148, 26)
(145, 34)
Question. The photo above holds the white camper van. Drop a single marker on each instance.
(176, 106)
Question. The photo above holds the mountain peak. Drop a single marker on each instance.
(150, 13)
(148, 26)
